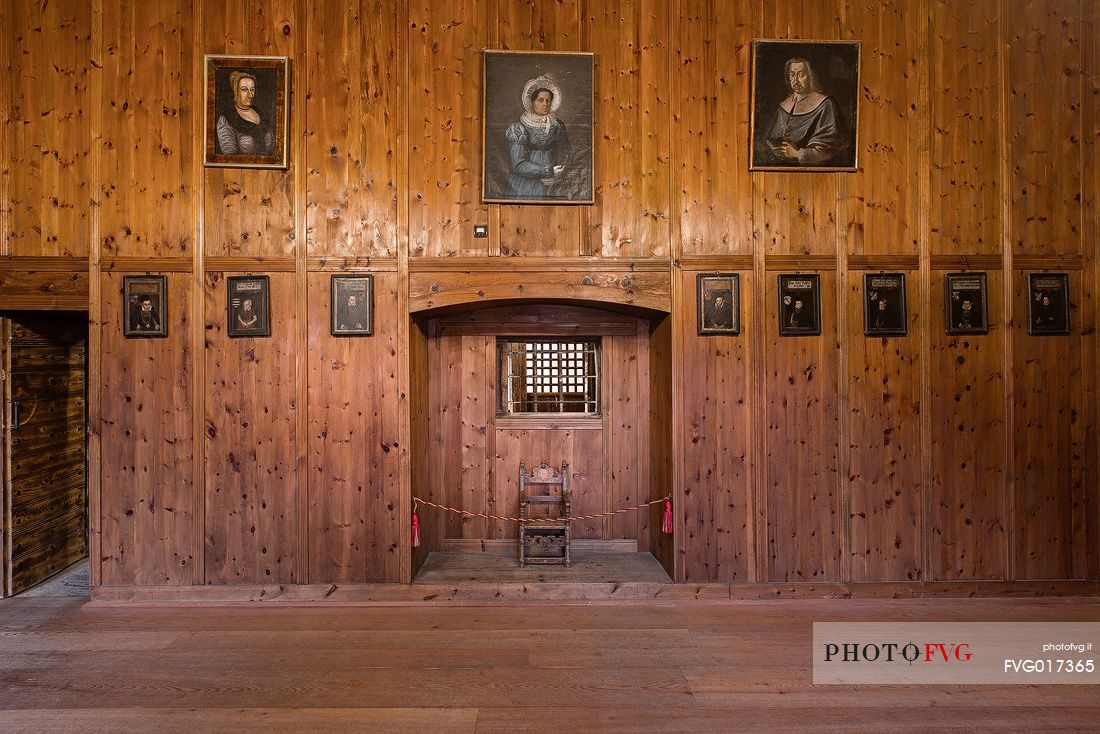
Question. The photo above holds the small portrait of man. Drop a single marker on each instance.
(144, 301)
(799, 305)
(884, 311)
(247, 305)
(719, 303)
(246, 111)
(966, 303)
(1048, 305)
(805, 105)
(350, 299)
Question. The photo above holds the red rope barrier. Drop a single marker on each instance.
(667, 520)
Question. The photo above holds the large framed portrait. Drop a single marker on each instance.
(1048, 303)
(718, 303)
(245, 120)
(799, 305)
(966, 303)
(351, 304)
(247, 305)
(145, 306)
(537, 127)
(884, 312)
(805, 105)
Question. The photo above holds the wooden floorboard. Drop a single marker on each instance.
(612, 667)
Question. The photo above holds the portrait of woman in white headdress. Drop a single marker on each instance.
(538, 127)
(538, 143)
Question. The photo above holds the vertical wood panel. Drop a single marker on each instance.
(967, 496)
(444, 188)
(804, 523)
(531, 229)
(146, 512)
(1050, 411)
(251, 461)
(965, 214)
(798, 211)
(625, 403)
(351, 129)
(882, 207)
(250, 212)
(353, 525)
(630, 217)
(148, 201)
(710, 130)
(717, 443)
(884, 476)
(1044, 125)
(47, 48)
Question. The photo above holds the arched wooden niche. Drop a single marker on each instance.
(465, 453)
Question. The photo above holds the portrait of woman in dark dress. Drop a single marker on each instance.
(241, 130)
(538, 143)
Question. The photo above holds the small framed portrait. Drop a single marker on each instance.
(537, 127)
(965, 303)
(351, 301)
(799, 305)
(719, 303)
(245, 120)
(145, 306)
(884, 311)
(805, 105)
(1048, 303)
(247, 305)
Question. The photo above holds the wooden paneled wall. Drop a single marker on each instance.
(292, 459)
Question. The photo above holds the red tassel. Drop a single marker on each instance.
(666, 521)
(416, 530)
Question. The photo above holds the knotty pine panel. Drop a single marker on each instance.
(881, 201)
(583, 449)
(630, 217)
(625, 403)
(353, 524)
(147, 495)
(420, 438)
(20, 289)
(351, 118)
(805, 527)
(546, 25)
(662, 453)
(251, 459)
(796, 213)
(445, 41)
(1050, 409)
(966, 504)
(147, 200)
(885, 467)
(47, 49)
(712, 54)
(250, 212)
(965, 210)
(1044, 130)
(717, 441)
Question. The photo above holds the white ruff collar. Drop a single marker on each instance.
(543, 122)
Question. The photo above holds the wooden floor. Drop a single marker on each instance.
(499, 568)
(611, 667)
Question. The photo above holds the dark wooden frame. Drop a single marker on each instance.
(769, 58)
(215, 68)
(501, 108)
(263, 312)
(367, 291)
(950, 280)
(1055, 283)
(734, 281)
(785, 291)
(872, 291)
(160, 285)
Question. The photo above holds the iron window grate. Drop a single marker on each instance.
(549, 376)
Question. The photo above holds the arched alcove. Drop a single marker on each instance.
(466, 449)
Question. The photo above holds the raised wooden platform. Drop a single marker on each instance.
(589, 567)
(628, 667)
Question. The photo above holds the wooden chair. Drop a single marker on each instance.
(543, 539)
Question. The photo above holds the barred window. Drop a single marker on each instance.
(549, 376)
